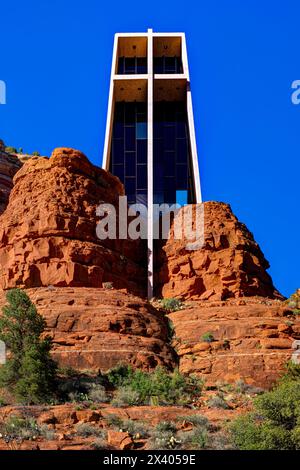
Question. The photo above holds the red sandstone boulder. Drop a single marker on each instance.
(229, 264)
(99, 329)
(48, 233)
(247, 342)
(120, 440)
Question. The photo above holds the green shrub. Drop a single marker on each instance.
(194, 440)
(163, 437)
(98, 394)
(126, 396)
(167, 387)
(195, 420)
(114, 421)
(135, 428)
(10, 149)
(99, 444)
(207, 337)
(87, 430)
(30, 373)
(171, 304)
(218, 402)
(166, 426)
(107, 285)
(275, 423)
(17, 427)
(36, 154)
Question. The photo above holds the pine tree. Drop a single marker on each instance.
(29, 373)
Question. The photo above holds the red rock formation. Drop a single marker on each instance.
(251, 340)
(99, 329)
(9, 165)
(48, 233)
(229, 264)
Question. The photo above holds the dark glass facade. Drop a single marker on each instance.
(132, 65)
(167, 65)
(138, 65)
(129, 149)
(172, 180)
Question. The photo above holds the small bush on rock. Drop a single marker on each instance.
(171, 304)
(207, 337)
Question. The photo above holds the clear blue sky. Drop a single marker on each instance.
(244, 54)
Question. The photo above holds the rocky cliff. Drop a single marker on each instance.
(48, 232)
(233, 323)
(9, 165)
(229, 263)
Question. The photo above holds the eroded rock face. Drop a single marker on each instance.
(248, 339)
(98, 328)
(9, 165)
(48, 232)
(229, 264)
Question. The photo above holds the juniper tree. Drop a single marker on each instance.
(29, 372)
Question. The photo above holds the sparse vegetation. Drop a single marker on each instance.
(195, 420)
(171, 304)
(100, 444)
(126, 396)
(136, 429)
(10, 149)
(218, 401)
(107, 285)
(114, 421)
(168, 387)
(19, 428)
(164, 437)
(274, 423)
(294, 302)
(207, 337)
(87, 430)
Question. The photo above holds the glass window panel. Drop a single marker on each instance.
(141, 130)
(169, 196)
(181, 177)
(158, 197)
(141, 117)
(130, 164)
(121, 65)
(118, 170)
(130, 187)
(141, 181)
(182, 148)
(182, 197)
(141, 198)
(129, 114)
(169, 164)
(158, 129)
(181, 129)
(169, 138)
(170, 64)
(119, 112)
(141, 65)
(158, 65)
(129, 64)
(141, 151)
(118, 131)
(118, 150)
(158, 174)
(129, 138)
